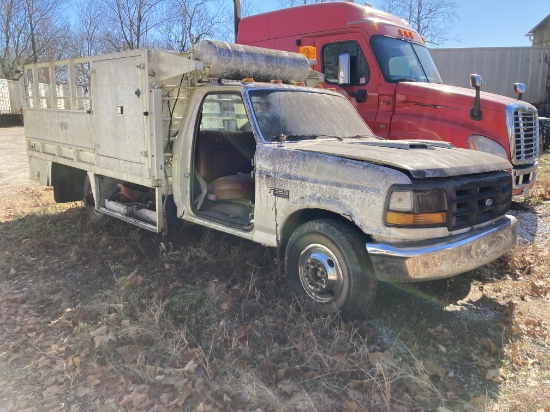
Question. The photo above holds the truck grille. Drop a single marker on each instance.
(526, 135)
(479, 199)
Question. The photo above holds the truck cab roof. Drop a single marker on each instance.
(296, 21)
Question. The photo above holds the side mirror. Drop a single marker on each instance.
(344, 69)
(476, 81)
(519, 88)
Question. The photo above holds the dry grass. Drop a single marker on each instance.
(120, 319)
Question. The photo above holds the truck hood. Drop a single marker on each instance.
(422, 159)
(444, 95)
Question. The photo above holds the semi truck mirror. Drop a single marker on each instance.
(519, 88)
(344, 70)
(476, 81)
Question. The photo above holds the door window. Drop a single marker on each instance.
(224, 112)
(360, 72)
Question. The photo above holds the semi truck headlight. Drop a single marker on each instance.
(484, 144)
(417, 208)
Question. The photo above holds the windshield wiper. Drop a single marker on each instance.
(363, 136)
(306, 137)
(406, 79)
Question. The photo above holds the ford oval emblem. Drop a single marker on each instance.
(488, 202)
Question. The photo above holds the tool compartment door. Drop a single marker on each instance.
(120, 103)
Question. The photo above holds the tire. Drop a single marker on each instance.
(97, 218)
(326, 261)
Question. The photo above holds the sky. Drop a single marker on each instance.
(480, 23)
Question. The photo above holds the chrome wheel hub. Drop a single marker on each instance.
(320, 273)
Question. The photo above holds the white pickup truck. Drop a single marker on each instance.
(155, 138)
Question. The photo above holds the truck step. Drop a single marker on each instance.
(144, 218)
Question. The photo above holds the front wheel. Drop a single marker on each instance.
(326, 260)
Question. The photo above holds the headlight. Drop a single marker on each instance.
(417, 208)
(484, 144)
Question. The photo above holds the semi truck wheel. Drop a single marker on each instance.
(326, 260)
(96, 217)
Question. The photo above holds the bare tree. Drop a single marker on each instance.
(43, 26)
(248, 8)
(133, 23)
(89, 34)
(32, 31)
(12, 39)
(431, 18)
(200, 19)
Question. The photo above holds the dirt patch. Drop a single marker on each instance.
(116, 318)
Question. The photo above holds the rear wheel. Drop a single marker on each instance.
(326, 260)
(96, 217)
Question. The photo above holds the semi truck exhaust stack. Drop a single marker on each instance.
(237, 16)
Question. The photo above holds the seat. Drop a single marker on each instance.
(224, 165)
(239, 186)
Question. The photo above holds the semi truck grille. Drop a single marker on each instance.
(479, 199)
(526, 135)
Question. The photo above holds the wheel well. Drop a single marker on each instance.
(67, 183)
(306, 215)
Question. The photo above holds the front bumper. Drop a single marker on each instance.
(524, 177)
(443, 258)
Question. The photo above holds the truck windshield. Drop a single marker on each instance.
(305, 115)
(401, 60)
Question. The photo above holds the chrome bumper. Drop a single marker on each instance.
(437, 258)
(524, 177)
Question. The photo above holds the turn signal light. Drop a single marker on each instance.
(309, 51)
(410, 219)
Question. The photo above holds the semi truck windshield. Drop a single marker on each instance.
(404, 61)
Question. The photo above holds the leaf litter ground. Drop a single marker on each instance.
(116, 318)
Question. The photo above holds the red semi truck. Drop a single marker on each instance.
(382, 64)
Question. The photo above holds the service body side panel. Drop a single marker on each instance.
(71, 129)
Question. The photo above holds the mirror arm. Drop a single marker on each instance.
(360, 95)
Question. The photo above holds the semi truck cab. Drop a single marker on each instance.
(383, 67)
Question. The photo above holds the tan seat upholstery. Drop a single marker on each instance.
(232, 187)
(224, 162)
